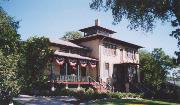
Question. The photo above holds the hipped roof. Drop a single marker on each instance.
(103, 37)
(65, 43)
(97, 27)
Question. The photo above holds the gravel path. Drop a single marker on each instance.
(40, 100)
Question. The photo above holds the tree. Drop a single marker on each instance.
(9, 79)
(154, 67)
(36, 56)
(8, 33)
(72, 35)
(10, 83)
(143, 14)
(164, 60)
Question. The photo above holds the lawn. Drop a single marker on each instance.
(134, 102)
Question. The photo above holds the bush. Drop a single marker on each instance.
(119, 95)
(89, 94)
(80, 94)
(67, 92)
(116, 95)
(9, 80)
(89, 91)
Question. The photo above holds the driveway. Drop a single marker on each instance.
(41, 100)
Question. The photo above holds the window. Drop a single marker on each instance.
(135, 52)
(109, 49)
(106, 66)
(130, 53)
(131, 73)
(121, 55)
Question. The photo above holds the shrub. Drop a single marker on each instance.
(9, 81)
(119, 95)
(80, 94)
(67, 92)
(89, 94)
(116, 95)
(89, 91)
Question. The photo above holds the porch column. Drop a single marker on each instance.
(78, 78)
(78, 73)
(66, 77)
(52, 72)
(51, 75)
(138, 74)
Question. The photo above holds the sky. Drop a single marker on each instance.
(53, 18)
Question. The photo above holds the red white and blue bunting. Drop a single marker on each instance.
(59, 61)
(72, 62)
(92, 64)
(83, 63)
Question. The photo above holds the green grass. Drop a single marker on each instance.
(134, 101)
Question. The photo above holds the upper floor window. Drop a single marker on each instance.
(109, 49)
(131, 53)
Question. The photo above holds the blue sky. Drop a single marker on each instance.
(52, 18)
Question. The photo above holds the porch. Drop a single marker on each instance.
(69, 70)
(72, 69)
(81, 81)
(74, 80)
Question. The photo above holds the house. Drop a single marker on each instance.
(96, 59)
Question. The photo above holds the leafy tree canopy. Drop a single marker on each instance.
(140, 13)
(154, 68)
(8, 33)
(36, 57)
(143, 14)
(9, 58)
(9, 84)
(72, 35)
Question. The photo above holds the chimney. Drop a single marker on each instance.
(97, 23)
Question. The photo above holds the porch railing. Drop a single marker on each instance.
(72, 78)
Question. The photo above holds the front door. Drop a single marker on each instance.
(119, 77)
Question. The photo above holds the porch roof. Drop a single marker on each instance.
(65, 43)
(73, 55)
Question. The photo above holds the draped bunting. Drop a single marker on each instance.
(83, 63)
(60, 61)
(92, 64)
(72, 62)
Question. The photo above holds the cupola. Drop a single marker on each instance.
(97, 29)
